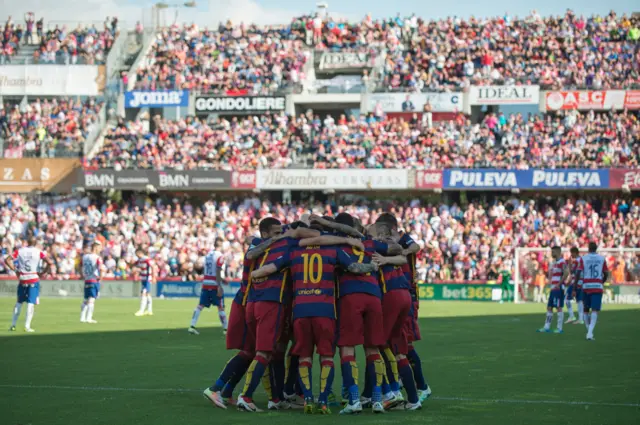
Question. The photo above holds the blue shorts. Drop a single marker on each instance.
(556, 299)
(569, 293)
(91, 290)
(592, 301)
(579, 295)
(29, 293)
(209, 297)
(145, 287)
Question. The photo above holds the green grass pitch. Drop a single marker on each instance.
(484, 361)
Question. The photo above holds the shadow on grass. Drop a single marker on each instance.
(480, 367)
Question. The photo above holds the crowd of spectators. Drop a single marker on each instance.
(59, 44)
(235, 59)
(572, 139)
(82, 45)
(598, 52)
(47, 128)
(460, 241)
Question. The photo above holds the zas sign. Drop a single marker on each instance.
(26, 175)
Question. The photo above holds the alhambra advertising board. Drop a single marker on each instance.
(347, 179)
(52, 80)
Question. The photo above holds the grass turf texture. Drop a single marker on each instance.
(485, 362)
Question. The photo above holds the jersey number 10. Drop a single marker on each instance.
(312, 268)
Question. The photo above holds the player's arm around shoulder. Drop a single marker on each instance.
(325, 240)
(395, 260)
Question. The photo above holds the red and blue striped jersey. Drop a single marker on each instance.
(393, 278)
(410, 268)
(145, 268)
(247, 268)
(313, 271)
(272, 287)
(351, 283)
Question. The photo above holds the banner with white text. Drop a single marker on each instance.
(500, 179)
(52, 80)
(339, 179)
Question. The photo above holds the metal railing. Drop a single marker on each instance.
(96, 129)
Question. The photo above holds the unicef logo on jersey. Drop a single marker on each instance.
(197, 289)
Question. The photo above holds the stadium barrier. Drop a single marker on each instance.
(177, 288)
(449, 179)
(75, 288)
(462, 291)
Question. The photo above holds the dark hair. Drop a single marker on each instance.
(297, 224)
(553, 248)
(574, 249)
(388, 219)
(267, 223)
(346, 219)
(328, 218)
(593, 247)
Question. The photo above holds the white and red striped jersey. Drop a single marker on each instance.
(592, 267)
(27, 261)
(573, 263)
(91, 268)
(556, 271)
(145, 268)
(212, 263)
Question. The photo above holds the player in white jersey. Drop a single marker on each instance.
(211, 293)
(27, 262)
(144, 268)
(558, 274)
(592, 274)
(91, 271)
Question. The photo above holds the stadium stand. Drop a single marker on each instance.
(471, 242)
(236, 58)
(47, 128)
(582, 140)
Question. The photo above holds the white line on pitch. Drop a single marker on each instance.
(188, 390)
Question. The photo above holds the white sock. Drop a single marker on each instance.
(580, 311)
(560, 319)
(592, 322)
(569, 307)
(223, 319)
(16, 314)
(587, 320)
(90, 308)
(195, 317)
(30, 310)
(149, 304)
(83, 312)
(547, 322)
(143, 303)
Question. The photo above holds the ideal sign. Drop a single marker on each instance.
(504, 95)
